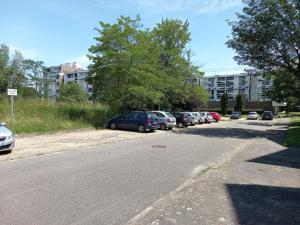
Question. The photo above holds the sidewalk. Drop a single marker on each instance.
(259, 185)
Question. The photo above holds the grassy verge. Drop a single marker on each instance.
(34, 116)
(293, 134)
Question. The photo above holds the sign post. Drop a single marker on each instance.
(12, 93)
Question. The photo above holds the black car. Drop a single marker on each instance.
(267, 115)
(235, 115)
(136, 120)
(182, 119)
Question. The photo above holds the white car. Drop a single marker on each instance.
(7, 138)
(208, 118)
(253, 116)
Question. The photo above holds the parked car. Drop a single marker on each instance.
(193, 119)
(267, 115)
(199, 117)
(182, 119)
(136, 120)
(253, 116)
(216, 116)
(208, 118)
(7, 138)
(235, 115)
(166, 120)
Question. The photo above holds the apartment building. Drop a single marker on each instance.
(64, 74)
(252, 87)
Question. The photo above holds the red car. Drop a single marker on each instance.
(216, 116)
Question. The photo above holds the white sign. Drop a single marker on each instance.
(12, 92)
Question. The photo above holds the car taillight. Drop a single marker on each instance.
(149, 120)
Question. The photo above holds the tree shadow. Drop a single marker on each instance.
(275, 135)
(258, 204)
(289, 157)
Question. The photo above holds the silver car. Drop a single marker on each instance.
(207, 116)
(166, 120)
(193, 119)
(7, 138)
(200, 118)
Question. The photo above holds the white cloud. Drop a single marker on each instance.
(82, 60)
(193, 6)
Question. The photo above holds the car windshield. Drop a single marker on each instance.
(235, 113)
(169, 114)
(252, 113)
(268, 113)
(153, 115)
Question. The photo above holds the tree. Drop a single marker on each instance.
(34, 73)
(224, 103)
(125, 66)
(11, 72)
(266, 37)
(197, 99)
(4, 67)
(72, 93)
(135, 68)
(239, 103)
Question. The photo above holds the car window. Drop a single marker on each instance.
(133, 115)
(161, 115)
(141, 115)
(169, 114)
(152, 115)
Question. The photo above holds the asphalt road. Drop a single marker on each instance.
(111, 183)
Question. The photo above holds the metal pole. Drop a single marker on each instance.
(12, 107)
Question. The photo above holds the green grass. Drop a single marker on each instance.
(293, 134)
(34, 116)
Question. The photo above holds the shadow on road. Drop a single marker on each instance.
(257, 204)
(289, 157)
(275, 135)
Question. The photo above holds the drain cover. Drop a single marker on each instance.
(159, 146)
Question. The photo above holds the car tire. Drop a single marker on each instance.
(113, 126)
(180, 125)
(141, 128)
(163, 126)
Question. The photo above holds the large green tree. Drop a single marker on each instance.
(136, 68)
(266, 37)
(124, 66)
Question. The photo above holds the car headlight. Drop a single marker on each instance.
(10, 137)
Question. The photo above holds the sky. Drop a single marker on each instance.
(61, 31)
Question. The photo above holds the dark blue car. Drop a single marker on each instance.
(136, 120)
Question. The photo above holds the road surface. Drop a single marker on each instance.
(111, 183)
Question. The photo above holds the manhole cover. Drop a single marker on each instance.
(159, 146)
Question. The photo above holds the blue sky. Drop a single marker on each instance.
(60, 31)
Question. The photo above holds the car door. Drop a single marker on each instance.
(123, 121)
(132, 121)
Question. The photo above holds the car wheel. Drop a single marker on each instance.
(141, 128)
(180, 125)
(113, 126)
(163, 126)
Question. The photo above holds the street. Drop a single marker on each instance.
(111, 183)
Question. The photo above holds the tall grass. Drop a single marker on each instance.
(35, 116)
